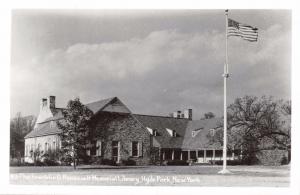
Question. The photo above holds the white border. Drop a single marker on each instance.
(138, 4)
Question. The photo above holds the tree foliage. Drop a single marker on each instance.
(209, 115)
(75, 128)
(19, 127)
(257, 123)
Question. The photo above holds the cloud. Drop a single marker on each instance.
(162, 72)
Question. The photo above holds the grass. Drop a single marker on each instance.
(269, 176)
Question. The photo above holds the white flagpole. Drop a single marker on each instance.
(225, 75)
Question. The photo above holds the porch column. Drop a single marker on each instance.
(214, 154)
(189, 155)
(181, 155)
(204, 156)
(159, 153)
(197, 156)
(241, 152)
(173, 154)
(118, 160)
(164, 155)
(233, 155)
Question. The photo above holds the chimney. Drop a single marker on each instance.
(188, 114)
(174, 114)
(43, 103)
(178, 114)
(51, 101)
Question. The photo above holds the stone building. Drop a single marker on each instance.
(121, 135)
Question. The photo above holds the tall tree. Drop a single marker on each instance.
(75, 128)
(256, 123)
(19, 127)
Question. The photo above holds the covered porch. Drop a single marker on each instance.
(198, 156)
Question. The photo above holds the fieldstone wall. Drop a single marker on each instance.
(125, 129)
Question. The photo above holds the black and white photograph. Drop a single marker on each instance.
(183, 97)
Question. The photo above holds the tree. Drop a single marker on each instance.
(255, 124)
(19, 127)
(209, 115)
(75, 129)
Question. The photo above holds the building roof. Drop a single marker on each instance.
(161, 124)
(201, 129)
(43, 129)
(184, 129)
(99, 105)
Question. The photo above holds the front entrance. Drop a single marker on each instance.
(115, 151)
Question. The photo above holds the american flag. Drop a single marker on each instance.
(244, 31)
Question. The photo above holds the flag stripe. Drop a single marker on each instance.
(244, 31)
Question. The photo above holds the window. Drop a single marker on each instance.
(54, 146)
(115, 149)
(152, 131)
(135, 149)
(196, 131)
(93, 148)
(172, 132)
(212, 132)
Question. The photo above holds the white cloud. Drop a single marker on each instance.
(166, 69)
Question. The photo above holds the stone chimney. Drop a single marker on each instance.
(188, 114)
(43, 103)
(178, 114)
(51, 102)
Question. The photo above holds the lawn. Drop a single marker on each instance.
(269, 176)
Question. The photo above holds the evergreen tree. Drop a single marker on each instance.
(75, 129)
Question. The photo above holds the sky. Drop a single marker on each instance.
(155, 61)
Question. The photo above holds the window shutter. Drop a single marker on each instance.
(140, 148)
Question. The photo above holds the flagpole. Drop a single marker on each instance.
(225, 75)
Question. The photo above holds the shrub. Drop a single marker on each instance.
(272, 157)
(229, 162)
(284, 161)
(177, 162)
(129, 162)
(38, 162)
(108, 162)
(50, 162)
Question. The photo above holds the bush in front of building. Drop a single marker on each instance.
(273, 157)
(229, 162)
(106, 161)
(129, 162)
(177, 162)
